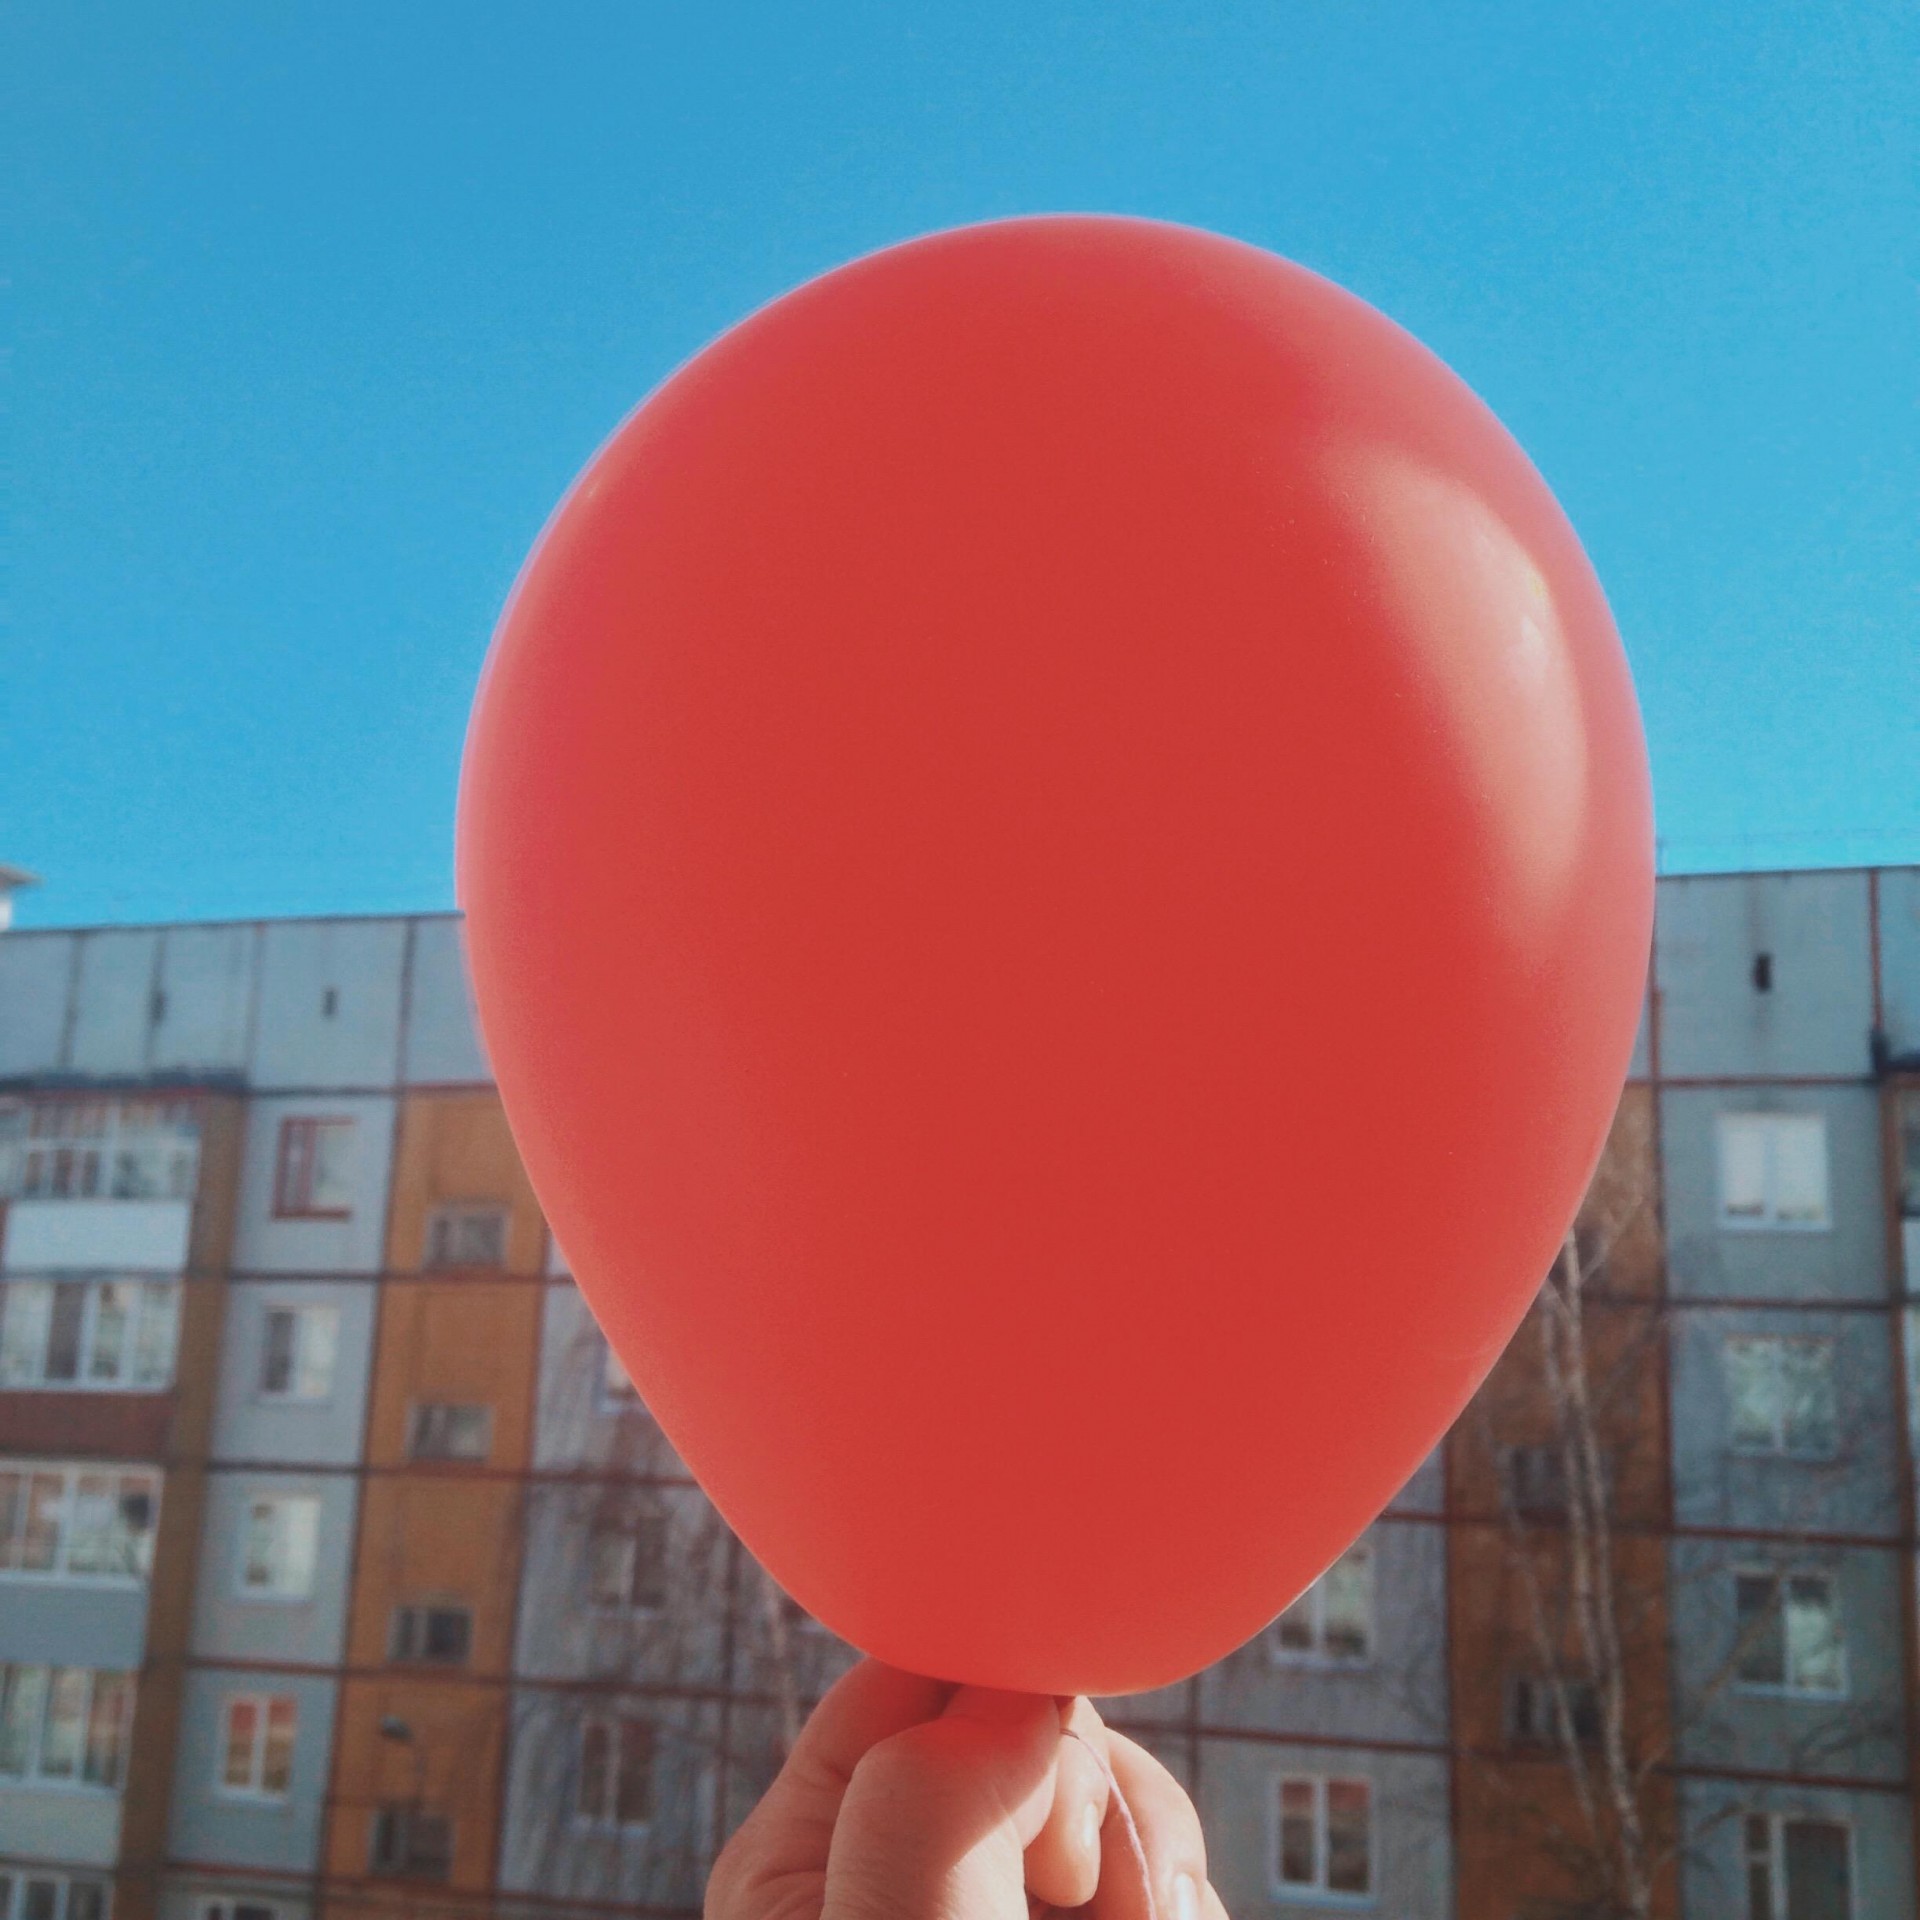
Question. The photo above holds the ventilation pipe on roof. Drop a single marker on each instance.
(12, 879)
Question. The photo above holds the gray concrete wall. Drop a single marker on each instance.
(35, 970)
(563, 1636)
(1720, 1724)
(1238, 1802)
(544, 1850)
(209, 1826)
(1399, 1694)
(231, 1625)
(248, 1425)
(73, 1623)
(442, 1040)
(1713, 1868)
(297, 1043)
(1899, 889)
(1816, 1017)
(263, 1244)
(1716, 1485)
(575, 1426)
(1847, 1260)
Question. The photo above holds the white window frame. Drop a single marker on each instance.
(158, 1300)
(129, 1148)
(1776, 1345)
(304, 1314)
(71, 1473)
(612, 1723)
(1314, 1601)
(417, 1414)
(276, 1595)
(14, 1906)
(1317, 1892)
(255, 1792)
(1777, 1825)
(1784, 1689)
(454, 1217)
(1770, 1126)
(32, 1774)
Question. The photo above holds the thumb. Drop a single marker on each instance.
(936, 1819)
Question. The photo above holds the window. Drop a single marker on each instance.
(412, 1842)
(467, 1235)
(627, 1564)
(1325, 1837)
(443, 1430)
(434, 1633)
(1798, 1869)
(616, 1772)
(1788, 1628)
(313, 1176)
(1332, 1621)
(297, 1352)
(256, 1758)
(1780, 1395)
(1910, 1158)
(66, 1724)
(51, 1896)
(1534, 1715)
(239, 1910)
(1537, 1481)
(279, 1545)
(617, 1391)
(77, 1522)
(100, 1150)
(96, 1335)
(1773, 1170)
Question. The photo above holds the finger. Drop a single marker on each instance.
(1169, 1833)
(1063, 1859)
(791, 1829)
(1211, 1906)
(936, 1820)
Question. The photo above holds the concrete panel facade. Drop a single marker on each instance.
(1238, 1802)
(1845, 1260)
(1722, 1722)
(565, 1635)
(329, 1004)
(205, 977)
(1899, 891)
(548, 1848)
(1814, 1013)
(443, 1038)
(210, 1822)
(230, 1623)
(266, 1242)
(1719, 1482)
(252, 1423)
(115, 1005)
(1714, 1865)
(36, 978)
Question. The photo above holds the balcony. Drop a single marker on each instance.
(93, 1236)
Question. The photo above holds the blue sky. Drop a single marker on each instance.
(317, 307)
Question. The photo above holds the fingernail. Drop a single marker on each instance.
(1186, 1898)
(1089, 1828)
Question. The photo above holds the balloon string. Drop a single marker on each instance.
(1118, 1799)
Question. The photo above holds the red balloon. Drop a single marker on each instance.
(1059, 861)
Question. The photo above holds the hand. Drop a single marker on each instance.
(909, 1799)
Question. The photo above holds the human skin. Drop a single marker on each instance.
(911, 1799)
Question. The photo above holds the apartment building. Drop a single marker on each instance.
(341, 1569)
